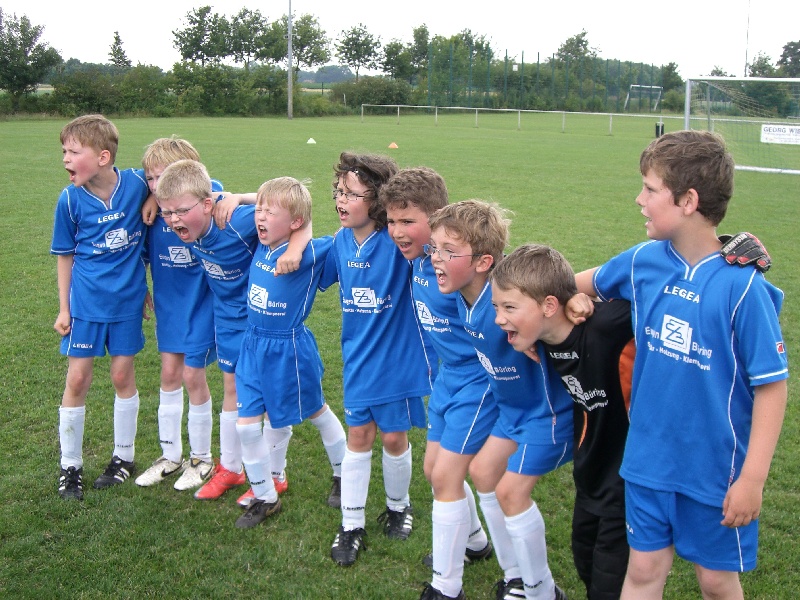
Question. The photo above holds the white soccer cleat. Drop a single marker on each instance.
(159, 471)
(195, 474)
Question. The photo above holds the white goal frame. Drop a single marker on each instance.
(657, 89)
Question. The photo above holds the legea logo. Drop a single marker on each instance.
(364, 298)
(425, 316)
(116, 239)
(676, 334)
(180, 255)
(258, 296)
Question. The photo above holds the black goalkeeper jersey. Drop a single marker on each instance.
(596, 363)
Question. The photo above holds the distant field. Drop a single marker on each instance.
(574, 190)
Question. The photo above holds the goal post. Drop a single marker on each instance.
(652, 92)
(759, 117)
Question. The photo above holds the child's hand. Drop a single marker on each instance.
(149, 210)
(148, 307)
(223, 208)
(579, 308)
(742, 503)
(63, 323)
(288, 262)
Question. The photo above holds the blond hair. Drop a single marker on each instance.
(184, 177)
(93, 131)
(482, 225)
(165, 151)
(287, 193)
(537, 271)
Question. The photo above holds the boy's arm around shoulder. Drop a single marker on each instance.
(743, 501)
(290, 260)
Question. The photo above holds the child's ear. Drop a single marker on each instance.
(550, 306)
(104, 157)
(484, 263)
(208, 205)
(297, 223)
(690, 201)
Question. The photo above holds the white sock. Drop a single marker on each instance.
(496, 524)
(170, 417)
(126, 414)
(278, 440)
(70, 432)
(333, 438)
(527, 535)
(199, 426)
(230, 449)
(356, 467)
(450, 522)
(256, 457)
(397, 479)
(477, 536)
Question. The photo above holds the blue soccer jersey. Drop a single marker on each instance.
(106, 240)
(226, 255)
(706, 335)
(382, 347)
(534, 408)
(181, 296)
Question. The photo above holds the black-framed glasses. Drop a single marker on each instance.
(349, 196)
(445, 255)
(181, 212)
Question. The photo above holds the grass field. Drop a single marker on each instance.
(573, 190)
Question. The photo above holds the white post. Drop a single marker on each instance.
(476, 118)
(398, 114)
(519, 120)
(289, 107)
(687, 105)
(610, 123)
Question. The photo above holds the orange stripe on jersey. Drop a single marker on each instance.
(626, 371)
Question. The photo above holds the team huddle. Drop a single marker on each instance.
(661, 374)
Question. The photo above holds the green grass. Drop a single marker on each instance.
(574, 190)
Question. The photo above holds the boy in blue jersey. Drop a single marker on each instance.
(279, 373)
(97, 237)
(184, 315)
(530, 289)
(380, 333)
(709, 382)
(533, 432)
(184, 196)
(461, 407)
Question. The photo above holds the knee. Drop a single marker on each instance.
(395, 443)
(718, 584)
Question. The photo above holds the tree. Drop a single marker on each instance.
(396, 60)
(719, 72)
(24, 61)
(205, 38)
(789, 62)
(761, 66)
(419, 48)
(358, 48)
(670, 79)
(576, 47)
(250, 33)
(117, 53)
(309, 42)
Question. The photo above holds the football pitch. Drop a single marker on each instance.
(572, 188)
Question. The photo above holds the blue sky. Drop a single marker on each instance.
(693, 34)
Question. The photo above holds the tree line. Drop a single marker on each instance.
(236, 66)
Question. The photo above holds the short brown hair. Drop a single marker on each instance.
(94, 131)
(184, 177)
(482, 225)
(696, 160)
(287, 193)
(165, 151)
(373, 170)
(537, 271)
(418, 186)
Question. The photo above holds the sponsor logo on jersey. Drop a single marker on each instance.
(180, 255)
(484, 360)
(116, 239)
(676, 334)
(780, 347)
(425, 316)
(364, 298)
(258, 296)
(589, 400)
(674, 290)
(213, 269)
(111, 217)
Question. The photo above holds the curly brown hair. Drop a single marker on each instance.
(373, 170)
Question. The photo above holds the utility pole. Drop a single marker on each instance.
(289, 108)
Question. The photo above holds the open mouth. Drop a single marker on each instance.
(71, 174)
(342, 212)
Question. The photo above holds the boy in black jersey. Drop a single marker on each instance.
(530, 290)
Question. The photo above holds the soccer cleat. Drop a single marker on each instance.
(70, 483)
(195, 473)
(116, 472)
(245, 499)
(257, 512)
(560, 594)
(335, 497)
(512, 589)
(221, 481)
(347, 545)
(397, 523)
(159, 471)
(431, 593)
(470, 555)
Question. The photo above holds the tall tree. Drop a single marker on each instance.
(250, 33)
(117, 53)
(396, 60)
(670, 79)
(310, 44)
(761, 66)
(789, 62)
(24, 61)
(576, 47)
(206, 38)
(358, 48)
(419, 48)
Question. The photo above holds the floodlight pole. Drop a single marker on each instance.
(290, 60)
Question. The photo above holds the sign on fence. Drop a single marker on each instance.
(780, 134)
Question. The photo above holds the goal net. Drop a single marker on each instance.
(759, 118)
(643, 98)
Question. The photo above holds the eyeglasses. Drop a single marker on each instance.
(349, 196)
(445, 255)
(181, 212)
